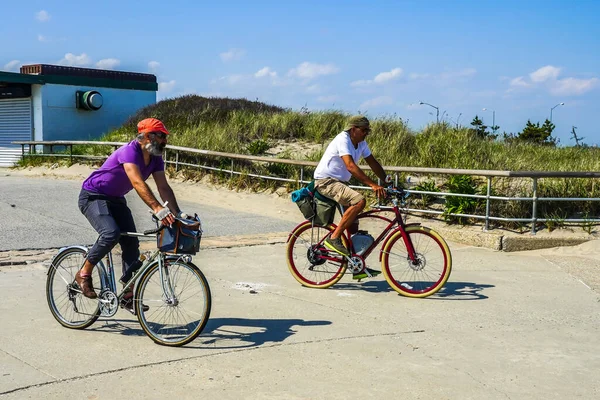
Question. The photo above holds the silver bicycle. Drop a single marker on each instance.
(171, 296)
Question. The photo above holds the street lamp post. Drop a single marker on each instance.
(493, 119)
(437, 111)
(559, 104)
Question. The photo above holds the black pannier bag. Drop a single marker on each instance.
(314, 206)
(324, 210)
(183, 237)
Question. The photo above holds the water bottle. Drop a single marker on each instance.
(361, 241)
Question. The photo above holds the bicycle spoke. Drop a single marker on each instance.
(178, 319)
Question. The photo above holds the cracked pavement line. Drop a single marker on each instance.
(166, 362)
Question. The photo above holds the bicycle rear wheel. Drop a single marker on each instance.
(67, 304)
(309, 261)
(430, 270)
(177, 307)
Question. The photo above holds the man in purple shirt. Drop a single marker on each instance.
(102, 200)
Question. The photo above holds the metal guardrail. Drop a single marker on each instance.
(488, 174)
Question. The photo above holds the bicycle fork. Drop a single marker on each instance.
(165, 279)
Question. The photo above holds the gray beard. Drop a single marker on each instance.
(154, 148)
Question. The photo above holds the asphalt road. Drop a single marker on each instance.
(39, 213)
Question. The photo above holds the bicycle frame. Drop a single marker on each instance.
(387, 231)
(108, 280)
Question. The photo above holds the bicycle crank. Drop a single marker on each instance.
(356, 264)
(108, 303)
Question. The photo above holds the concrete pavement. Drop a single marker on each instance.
(506, 326)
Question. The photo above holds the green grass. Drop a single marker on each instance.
(248, 127)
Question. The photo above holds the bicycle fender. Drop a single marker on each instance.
(393, 232)
(62, 250)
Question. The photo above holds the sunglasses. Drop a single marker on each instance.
(160, 135)
(365, 130)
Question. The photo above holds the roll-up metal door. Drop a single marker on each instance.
(15, 124)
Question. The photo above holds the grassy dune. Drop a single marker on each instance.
(251, 127)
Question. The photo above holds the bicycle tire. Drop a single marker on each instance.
(70, 308)
(166, 333)
(303, 259)
(398, 271)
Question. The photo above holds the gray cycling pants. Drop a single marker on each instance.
(109, 216)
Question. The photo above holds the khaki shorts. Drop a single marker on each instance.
(338, 191)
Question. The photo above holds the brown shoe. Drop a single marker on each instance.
(85, 283)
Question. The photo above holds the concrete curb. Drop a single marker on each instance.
(505, 241)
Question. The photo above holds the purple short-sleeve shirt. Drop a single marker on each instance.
(112, 180)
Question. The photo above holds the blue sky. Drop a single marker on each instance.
(517, 59)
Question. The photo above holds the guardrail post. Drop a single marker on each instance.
(176, 160)
(232, 168)
(301, 176)
(395, 179)
(487, 203)
(534, 211)
(22, 152)
(71, 153)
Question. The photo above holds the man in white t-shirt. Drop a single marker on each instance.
(338, 164)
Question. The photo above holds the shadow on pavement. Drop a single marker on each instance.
(450, 291)
(222, 333)
(461, 291)
(227, 333)
(365, 284)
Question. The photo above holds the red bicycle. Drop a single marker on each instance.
(415, 260)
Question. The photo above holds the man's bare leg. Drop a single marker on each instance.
(348, 218)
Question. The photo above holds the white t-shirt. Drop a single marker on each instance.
(332, 165)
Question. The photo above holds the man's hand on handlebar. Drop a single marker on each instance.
(379, 191)
(164, 215)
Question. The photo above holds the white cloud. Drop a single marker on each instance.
(547, 78)
(376, 102)
(42, 16)
(519, 82)
(308, 70)
(153, 66)
(573, 86)
(166, 87)
(12, 65)
(266, 71)
(73, 60)
(42, 38)
(380, 78)
(232, 54)
(108, 63)
(388, 76)
(545, 73)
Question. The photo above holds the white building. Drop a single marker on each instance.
(51, 102)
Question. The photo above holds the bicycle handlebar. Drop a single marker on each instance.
(156, 230)
(400, 193)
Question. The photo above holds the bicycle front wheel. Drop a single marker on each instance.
(173, 309)
(427, 273)
(67, 304)
(309, 261)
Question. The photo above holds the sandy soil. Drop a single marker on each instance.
(271, 204)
